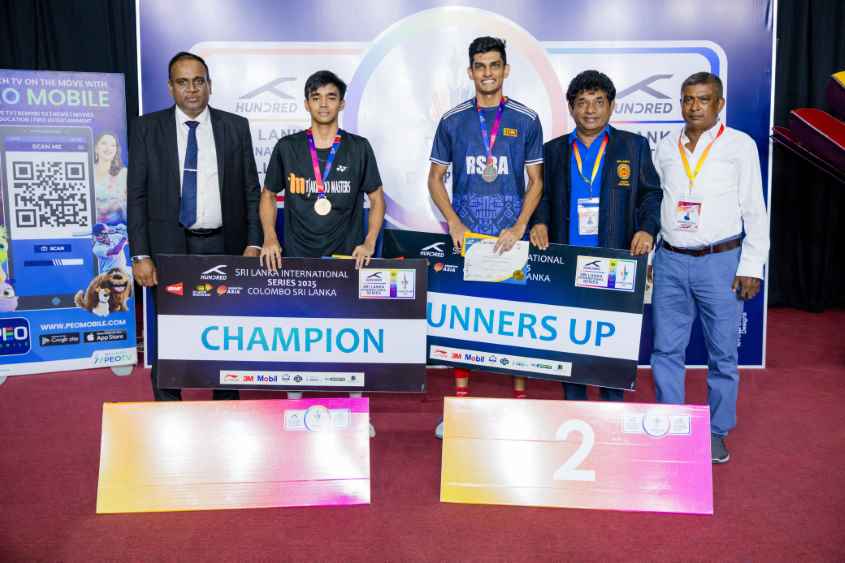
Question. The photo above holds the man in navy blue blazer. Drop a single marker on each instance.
(600, 187)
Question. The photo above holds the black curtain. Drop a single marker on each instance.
(72, 35)
(807, 260)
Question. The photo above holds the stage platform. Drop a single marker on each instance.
(779, 499)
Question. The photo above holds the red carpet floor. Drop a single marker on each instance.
(781, 498)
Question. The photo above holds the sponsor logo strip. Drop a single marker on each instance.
(505, 361)
(293, 378)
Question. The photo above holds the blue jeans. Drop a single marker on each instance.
(683, 286)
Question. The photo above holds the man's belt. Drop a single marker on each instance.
(711, 249)
(203, 232)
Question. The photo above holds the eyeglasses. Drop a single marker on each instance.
(183, 83)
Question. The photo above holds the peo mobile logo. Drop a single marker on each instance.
(114, 357)
(14, 336)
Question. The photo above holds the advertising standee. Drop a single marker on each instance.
(65, 285)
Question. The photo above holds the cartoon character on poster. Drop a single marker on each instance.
(107, 293)
(8, 299)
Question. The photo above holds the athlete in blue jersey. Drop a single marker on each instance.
(490, 141)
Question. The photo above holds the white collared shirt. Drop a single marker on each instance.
(209, 211)
(729, 187)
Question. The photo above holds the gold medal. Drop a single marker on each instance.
(322, 206)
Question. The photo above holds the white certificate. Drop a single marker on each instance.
(481, 263)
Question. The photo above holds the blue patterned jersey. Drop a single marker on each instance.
(488, 207)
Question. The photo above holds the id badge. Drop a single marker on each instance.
(687, 215)
(588, 216)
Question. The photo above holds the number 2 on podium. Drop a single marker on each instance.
(569, 470)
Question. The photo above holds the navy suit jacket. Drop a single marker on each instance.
(153, 185)
(630, 194)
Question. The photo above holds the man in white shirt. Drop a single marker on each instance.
(715, 240)
(192, 186)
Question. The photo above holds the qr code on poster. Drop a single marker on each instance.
(50, 193)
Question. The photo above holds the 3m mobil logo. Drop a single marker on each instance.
(176, 288)
(14, 336)
(248, 378)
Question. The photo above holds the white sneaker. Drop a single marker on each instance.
(372, 431)
(438, 432)
(294, 395)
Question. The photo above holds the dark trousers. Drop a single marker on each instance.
(196, 245)
(577, 392)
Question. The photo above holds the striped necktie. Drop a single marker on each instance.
(188, 206)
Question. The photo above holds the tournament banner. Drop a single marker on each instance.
(573, 314)
(66, 298)
(212, 455)
(571, 454)
(315, 324)
(260, 54)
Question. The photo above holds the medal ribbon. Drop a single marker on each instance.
(315, 162)
(494, 130)
(692, 175)
(596, 164)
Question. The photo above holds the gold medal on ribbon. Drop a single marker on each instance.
(322, 206)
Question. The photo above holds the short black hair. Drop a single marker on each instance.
(704, 78)
(186, 56)
(486, 44)
(323, 78)
(590, 81)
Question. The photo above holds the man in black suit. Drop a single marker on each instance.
(193, 185)
(600, 186)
